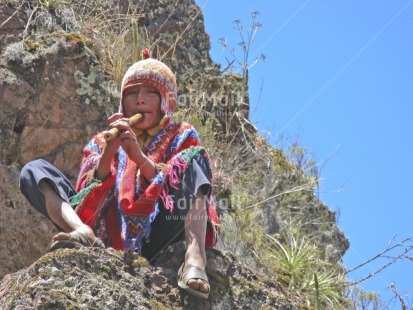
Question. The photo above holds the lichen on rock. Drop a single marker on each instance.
(91, 278)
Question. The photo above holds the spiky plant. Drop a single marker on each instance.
(297, 262)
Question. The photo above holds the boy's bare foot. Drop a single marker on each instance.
(83, 236)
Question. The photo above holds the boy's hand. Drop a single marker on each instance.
(126, 139)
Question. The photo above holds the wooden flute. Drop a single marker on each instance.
(114, 132)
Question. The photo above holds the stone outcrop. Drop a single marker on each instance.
(106, 279)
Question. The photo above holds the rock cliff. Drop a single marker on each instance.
(52, 99)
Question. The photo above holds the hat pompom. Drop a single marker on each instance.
(146, 53)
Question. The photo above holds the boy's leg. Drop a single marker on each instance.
(195, 232)
(48, 191)
(63, 215)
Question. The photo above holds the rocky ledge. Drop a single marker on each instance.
(91, 278)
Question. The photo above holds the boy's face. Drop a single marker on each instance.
(143, 99)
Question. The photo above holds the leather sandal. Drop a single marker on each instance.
(77, 240)
(190, 273)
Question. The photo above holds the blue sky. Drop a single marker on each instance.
(339, 75)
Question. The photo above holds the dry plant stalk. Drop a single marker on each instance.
(406, 248)
(116, 36)
(396, 293)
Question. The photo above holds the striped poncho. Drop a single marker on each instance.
(121, 208)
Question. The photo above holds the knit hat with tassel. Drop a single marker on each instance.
(152, 72)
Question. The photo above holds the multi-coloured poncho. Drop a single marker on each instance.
(121, 208)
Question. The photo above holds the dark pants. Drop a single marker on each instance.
(166, 229)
